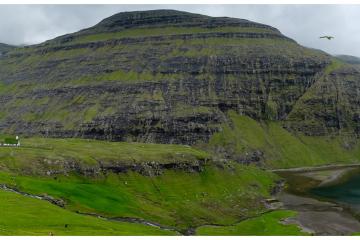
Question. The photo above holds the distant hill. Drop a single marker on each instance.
(349, 59)
(5, 48)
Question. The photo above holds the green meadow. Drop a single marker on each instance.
(22, 215)
(268, 224)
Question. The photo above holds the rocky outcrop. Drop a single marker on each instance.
(47, 167)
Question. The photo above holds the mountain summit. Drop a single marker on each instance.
(166, 18)
(155, 19)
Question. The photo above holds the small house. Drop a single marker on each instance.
(11, 142)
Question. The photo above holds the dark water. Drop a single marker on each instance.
(347, 192)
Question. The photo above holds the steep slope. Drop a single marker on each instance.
(331, 105)
(270, 145)
(155, 76)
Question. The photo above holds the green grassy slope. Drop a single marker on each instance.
(217, 195)
(175, 198)
(266, 225)
(179, 198)
(281, 148)
(27, 216)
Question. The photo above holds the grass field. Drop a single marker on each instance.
(267, 224)
(22, 215)
(178, 198)
(175, 198)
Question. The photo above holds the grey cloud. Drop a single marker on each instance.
(28, 24)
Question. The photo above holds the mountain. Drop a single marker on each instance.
(166, 76)
(349, 59)
(244, 96)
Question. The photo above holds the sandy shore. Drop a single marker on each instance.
(318, 217)
(315, 216)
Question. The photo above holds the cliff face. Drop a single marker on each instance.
(331, 105)
(170, 77)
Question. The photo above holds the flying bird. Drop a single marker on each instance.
(327, 37)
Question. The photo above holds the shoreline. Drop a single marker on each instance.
(326, 174)
(318, 217)
(315, 215)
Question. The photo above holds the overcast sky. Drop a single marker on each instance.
(29, 24)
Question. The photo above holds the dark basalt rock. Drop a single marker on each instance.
(146, 168)
(256, 157)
